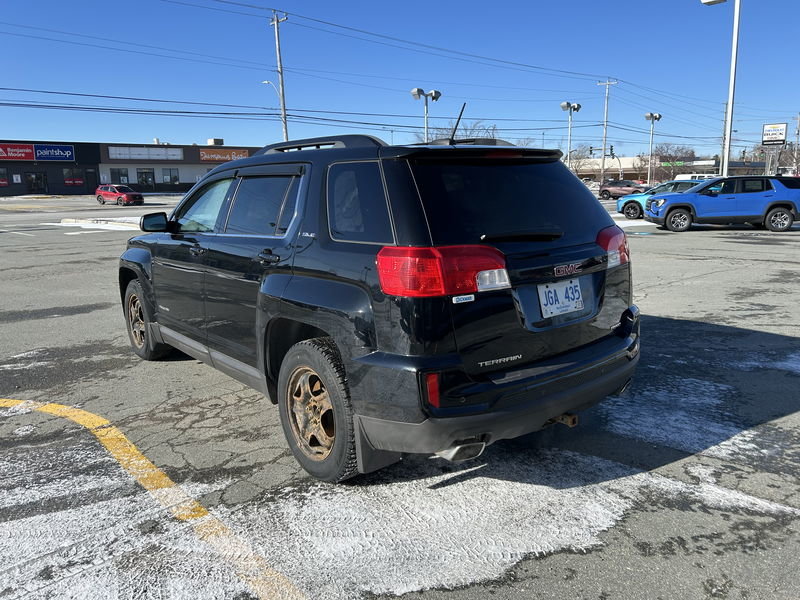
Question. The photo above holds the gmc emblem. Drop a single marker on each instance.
(571, 269)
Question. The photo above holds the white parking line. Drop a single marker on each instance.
(17, 233)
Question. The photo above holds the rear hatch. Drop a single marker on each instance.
(568, 271)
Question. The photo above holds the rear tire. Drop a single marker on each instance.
(315, 410)
(137, 321)
(101, 200)
(678, 220)
(779, 219)
(605, 194)
(632, 211)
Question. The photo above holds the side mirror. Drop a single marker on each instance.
(711, 193)
(154, 222)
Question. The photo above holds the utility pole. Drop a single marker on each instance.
(275, 22)
(796, 143)
(608, 83)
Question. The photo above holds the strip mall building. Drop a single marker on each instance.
(44, 167)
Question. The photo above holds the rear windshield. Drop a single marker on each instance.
(466, 200)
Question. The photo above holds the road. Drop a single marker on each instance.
(175, 481)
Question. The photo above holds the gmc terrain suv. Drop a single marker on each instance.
(392, 299)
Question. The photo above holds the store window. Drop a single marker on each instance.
(3, 177)
(169, 176)
(73, 176)
(146, 177)
(119, 176)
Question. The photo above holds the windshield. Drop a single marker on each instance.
(662, 187)
(700, 186)
(123, 188)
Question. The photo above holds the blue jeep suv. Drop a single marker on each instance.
(770, 202)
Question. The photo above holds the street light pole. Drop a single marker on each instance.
(608, 83)
(652, 117)
(569, 107)
(434, 95)
(726, 146)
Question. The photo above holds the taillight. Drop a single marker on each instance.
(612, 239)
(441, 271)
(432, 388)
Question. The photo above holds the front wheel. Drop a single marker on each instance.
(679, 220)
(101, 200)
(632, 211)
(137, 320)
(120, 201)
(605, 194)
(779, 219)
(315, 410)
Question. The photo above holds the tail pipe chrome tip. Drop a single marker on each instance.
(462, 452)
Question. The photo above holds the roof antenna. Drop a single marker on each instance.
(452, 139)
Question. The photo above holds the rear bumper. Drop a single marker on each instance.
(524, 406)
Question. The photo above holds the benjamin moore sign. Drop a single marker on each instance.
(34, 152)
(222, 154)
(774, 134)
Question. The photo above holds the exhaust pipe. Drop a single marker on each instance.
(462, 452)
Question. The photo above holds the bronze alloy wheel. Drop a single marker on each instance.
(136, 320)
(311, 414)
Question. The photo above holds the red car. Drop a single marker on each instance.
(118, 194)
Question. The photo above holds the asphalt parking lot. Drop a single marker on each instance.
(126, 479)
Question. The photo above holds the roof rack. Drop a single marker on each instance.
(469, 142)
(318, 143)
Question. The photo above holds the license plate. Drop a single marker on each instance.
(560, 297)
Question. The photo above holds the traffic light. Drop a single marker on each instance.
(612, 151)
(591, 151)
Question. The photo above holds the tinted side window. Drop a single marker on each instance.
(793, 183)
(357, 208)
(200, 213)
(257, 205)
(728, 186)
(682, 187)
(751, 185)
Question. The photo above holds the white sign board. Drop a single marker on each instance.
(774, 134)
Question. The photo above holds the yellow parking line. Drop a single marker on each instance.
(251, 567)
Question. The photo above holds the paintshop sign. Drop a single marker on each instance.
(37, 152)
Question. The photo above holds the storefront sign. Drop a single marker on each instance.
(3, 181)
(54, 152)
(16, 178)
(774, 134)
(73, 181)
(222, 154)
(16, 151)
(37, 152)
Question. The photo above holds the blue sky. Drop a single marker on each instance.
(671, 56)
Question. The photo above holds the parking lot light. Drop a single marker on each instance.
(652, 117)
(434, 95)
(726, 145)
(570, 108)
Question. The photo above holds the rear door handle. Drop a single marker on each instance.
(197, 250)
(266, 257)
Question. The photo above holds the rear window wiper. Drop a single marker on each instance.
(532, 235)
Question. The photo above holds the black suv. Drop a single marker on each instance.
(392, 299)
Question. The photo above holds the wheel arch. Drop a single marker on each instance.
(280, 335)
(788, 204)
(682, 205)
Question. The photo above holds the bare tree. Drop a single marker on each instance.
(641, 164)
(580, 159)
(670, 159)
(474, 129)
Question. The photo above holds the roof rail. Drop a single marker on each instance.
(470, 142)
(341, 141)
